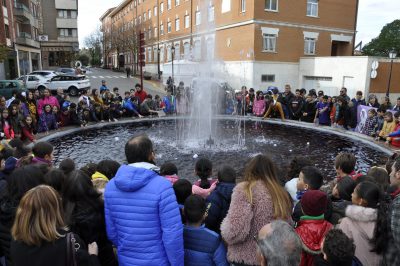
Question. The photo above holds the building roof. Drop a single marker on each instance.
(120, 6)
(106, 13)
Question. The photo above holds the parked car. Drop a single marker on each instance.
(33, 82)
(8, 86)
(67, 70)
(73, 84)
(45, 73)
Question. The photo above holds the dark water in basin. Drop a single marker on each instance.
(280, 142)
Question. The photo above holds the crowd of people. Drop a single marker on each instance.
(138, 213)
(26, 114)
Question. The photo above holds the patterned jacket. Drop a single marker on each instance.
(392, 256)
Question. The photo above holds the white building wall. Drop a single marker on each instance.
(350, 72)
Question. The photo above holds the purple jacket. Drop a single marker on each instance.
(47, 121)
(47, 100)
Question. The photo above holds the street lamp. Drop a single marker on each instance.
(158, 56)
(392, 56)
(173, 56)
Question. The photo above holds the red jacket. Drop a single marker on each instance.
(141, 95)
(311, 233)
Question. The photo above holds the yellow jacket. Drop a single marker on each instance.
(387, 129)
(98, 175)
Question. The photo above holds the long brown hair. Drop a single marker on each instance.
(39, 217)
(262, 168)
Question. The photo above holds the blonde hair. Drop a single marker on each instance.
(39, 217)
(262, 168)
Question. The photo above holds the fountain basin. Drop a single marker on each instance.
(281, 140)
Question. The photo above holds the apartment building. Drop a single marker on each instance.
(19, 19)
(8, 64)
(260, 42)
(59, 30)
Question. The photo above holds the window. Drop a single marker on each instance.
(155, 32)
(267, 78)
(197, 50)
(312, 8)
(162, 7)
(271, 5)
(169, 27)
(177, 2)
(211, 13)
(68, 32)
(149, 33)
(177, 24)
(150, 53)
(177, 54)
(149, 14)
(67, 13)
(186, 50)
(309, 46)
(155, 54)
(155, 11)
(144, 16)
(169, 52)
(7, 30)
(161, 54)
(210, 48)
(140, 19)
(269, 42)
(226, 6)
(4, 3)
(198, 18)
(169, 4)
(242, 6)
(187, 21)
(162, 29)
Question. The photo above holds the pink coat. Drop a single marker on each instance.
(203, 192)
(172, 178)
(244, 220)
(47, 100)
(259, 107)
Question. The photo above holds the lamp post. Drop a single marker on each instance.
(173, 56)
(158, 56)
(392, 56)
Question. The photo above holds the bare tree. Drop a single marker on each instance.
(94, 44)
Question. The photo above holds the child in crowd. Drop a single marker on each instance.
(380, 176)
(337, 249)
(182, 189)
(310, 178)
(6, 125)
(345, 164)
(43, 153)
(65, 117)
(15, 118)
(116, 110)
(169, 171)
(322, 114)
(130, 108)
(27, 129)
(380, 114)
(47, 120)
(394, 136)
(259, 104)
(341, 198)
(206, 184)
(202, 246)
(67, 166)
(370, 123)
(73, 115)
(388, 127)
(220, 198)
(366, 223)
(294, 170)
(106, 169)
(57, 115)
(116, 94)
(312, 227)
(169, 103)
(85, 117)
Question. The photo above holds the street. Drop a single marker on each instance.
(118, 79)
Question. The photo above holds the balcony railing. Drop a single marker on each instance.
(22, 6)
(24, 35)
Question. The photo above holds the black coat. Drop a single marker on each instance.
(50, 254)
(7, 215)
(220, 199)
(87, 220)
(309, 108)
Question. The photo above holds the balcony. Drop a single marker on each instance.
(67, 23)
(24, 15)
(25, 38)
(68, 39)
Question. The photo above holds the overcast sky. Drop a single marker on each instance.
(373, 15)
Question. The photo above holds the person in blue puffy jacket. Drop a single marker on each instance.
(129, 106)
(141, 212)
(203, 247)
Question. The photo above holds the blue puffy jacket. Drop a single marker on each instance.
(220, 200)
(143, 219)
(203, 247)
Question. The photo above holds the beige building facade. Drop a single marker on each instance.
(258, 42)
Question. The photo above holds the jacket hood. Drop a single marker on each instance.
(135, 176)
(225, 190)
(98, 175)
(361, 214)
(312, 233)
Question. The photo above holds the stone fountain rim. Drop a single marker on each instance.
(334, 131)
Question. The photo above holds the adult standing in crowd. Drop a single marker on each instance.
(397, 105)
(103, 86)
(392, 256)
(255, 202)
(279, 244)
(40, 236)
(343, 93)
(142, 215)
(285, 99)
